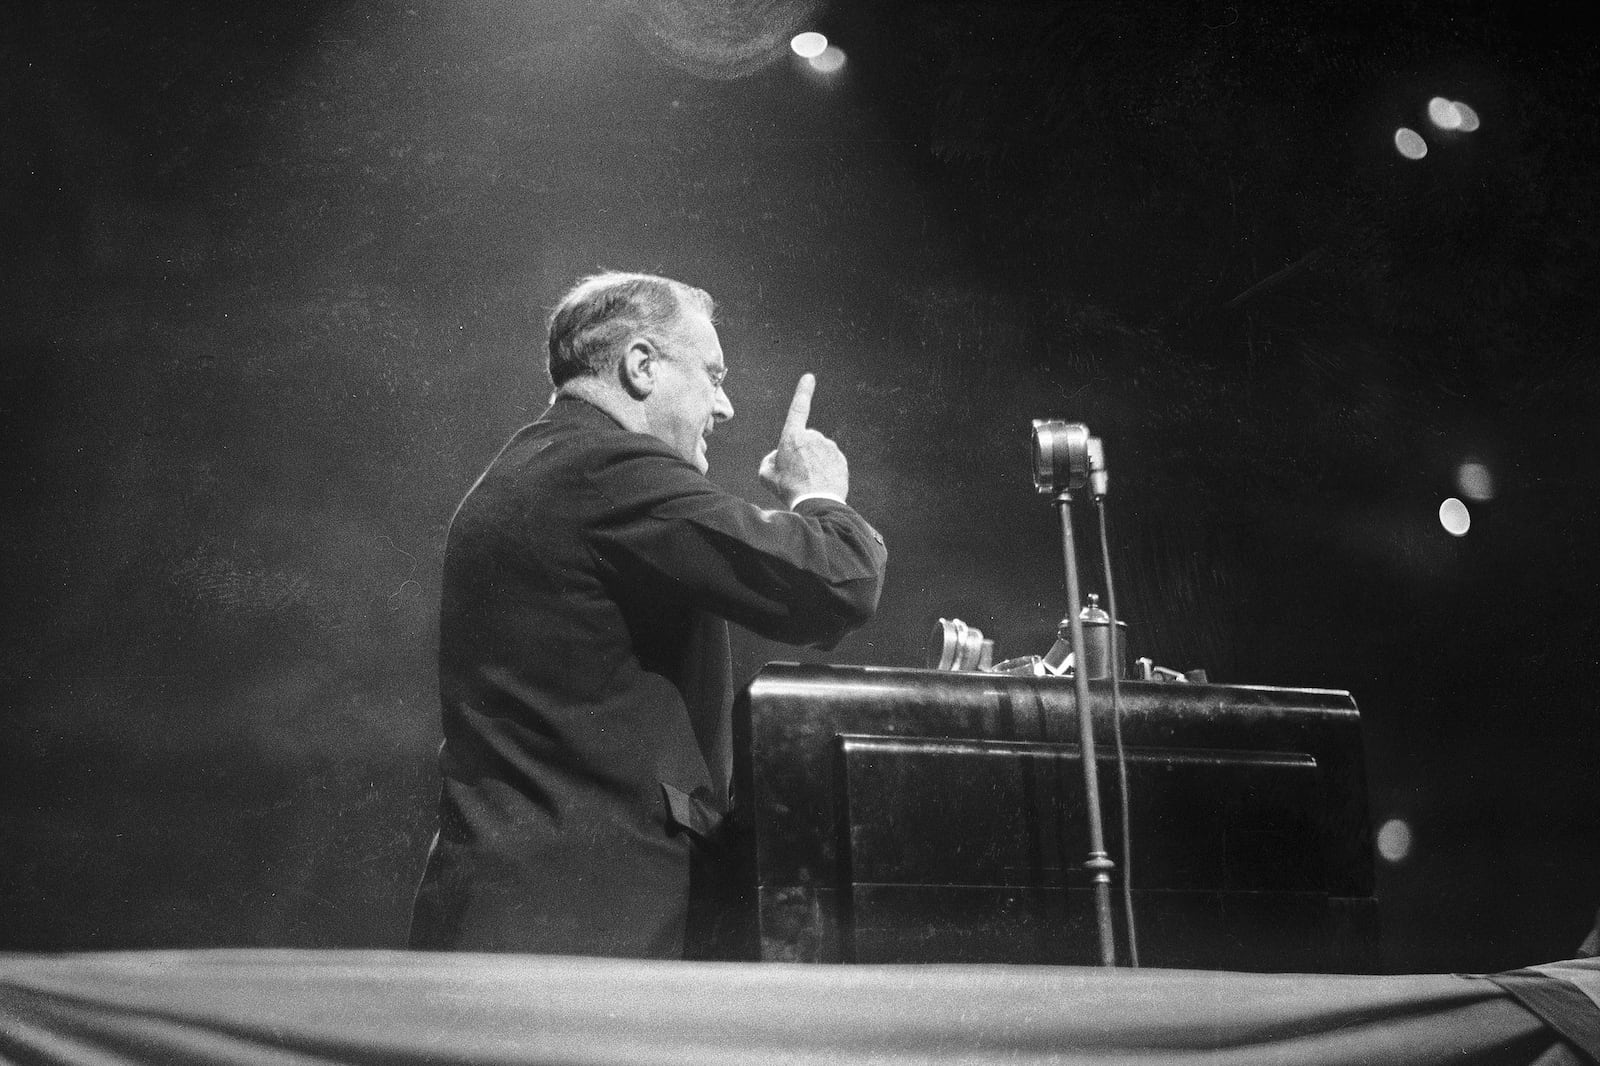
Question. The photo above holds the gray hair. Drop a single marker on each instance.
(599, 313)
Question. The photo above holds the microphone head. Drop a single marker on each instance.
(1060, 455)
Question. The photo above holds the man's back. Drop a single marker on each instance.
(584, 680)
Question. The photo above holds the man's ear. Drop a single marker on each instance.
(638, 367)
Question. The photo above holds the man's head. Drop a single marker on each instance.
(645, 347)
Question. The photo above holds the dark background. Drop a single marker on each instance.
(274, 280)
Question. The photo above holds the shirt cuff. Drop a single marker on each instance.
(815, 496)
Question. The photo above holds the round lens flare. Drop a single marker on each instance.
(1444, 114)
(1454, 517)
(1394, 840)
(829, 60)
(1452, 115)
(1410, 143)
(809, 45)
(1475, 481)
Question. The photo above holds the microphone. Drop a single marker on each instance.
(1060, 456)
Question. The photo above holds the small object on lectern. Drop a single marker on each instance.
(958, 646)
(1097, 654)
(1025, 665)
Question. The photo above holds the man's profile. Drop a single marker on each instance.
(584, 671)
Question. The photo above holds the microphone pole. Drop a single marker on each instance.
(1061, 463)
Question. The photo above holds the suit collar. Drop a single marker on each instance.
(567, 409)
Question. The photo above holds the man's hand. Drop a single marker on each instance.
(805, 461)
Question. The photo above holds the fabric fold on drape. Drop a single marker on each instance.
(305, 1007)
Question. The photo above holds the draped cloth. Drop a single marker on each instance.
(304, 1007)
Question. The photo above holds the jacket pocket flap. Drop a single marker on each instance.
(692, 812)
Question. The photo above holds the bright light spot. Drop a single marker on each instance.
(809, 45)
(1445, 115)
(1410, 143)
(1394, 840)
(1454, 518)
(831, 59)
(1476, 482)
(1452, 115)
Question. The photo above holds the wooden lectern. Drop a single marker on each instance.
(927, 816)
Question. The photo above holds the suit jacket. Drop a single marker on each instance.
(585, 681)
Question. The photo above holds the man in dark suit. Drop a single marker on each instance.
(584, 671)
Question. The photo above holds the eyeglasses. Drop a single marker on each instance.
(718, 374)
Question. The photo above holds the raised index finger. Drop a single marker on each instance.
(800, 406)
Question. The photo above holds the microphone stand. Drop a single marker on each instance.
(1099, 864)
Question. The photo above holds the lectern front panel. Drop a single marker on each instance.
(907, 815)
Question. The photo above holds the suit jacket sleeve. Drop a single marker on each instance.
(807, 576)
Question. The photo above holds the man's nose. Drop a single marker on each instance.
(722, 409)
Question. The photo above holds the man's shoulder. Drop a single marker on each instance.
(577, 424)
(573, 452)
